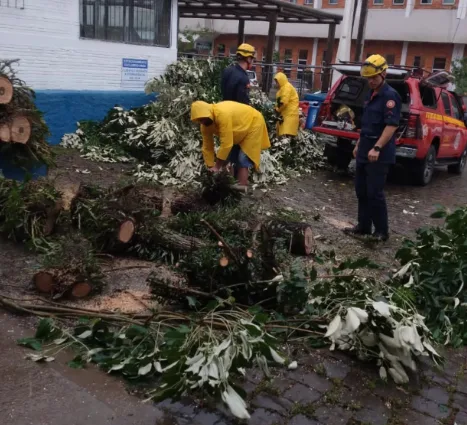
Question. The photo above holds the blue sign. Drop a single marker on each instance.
(134, 73)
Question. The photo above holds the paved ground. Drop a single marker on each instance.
(327, 389)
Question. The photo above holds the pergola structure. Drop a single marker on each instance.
(272, 11)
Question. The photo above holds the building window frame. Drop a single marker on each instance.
(148, 23)
(426, 2)
(378, 2)
(333, 2)
(398, 2)
(437, 69)
(309, 2)
(449, 2)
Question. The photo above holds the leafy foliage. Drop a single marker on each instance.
(434, 269)
(459, 70)
(164, 142)
(208, 352)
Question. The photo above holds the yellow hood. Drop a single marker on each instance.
(281, 79)
(200, 109)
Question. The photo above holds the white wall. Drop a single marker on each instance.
(439, 26)
(45, 37)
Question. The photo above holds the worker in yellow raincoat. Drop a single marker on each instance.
(242, 133)
(286, 106)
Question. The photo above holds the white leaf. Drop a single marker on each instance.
(85, 334)
(278, 278)
(222, 346)
(389, 342)
(276, 357)
(362, 314)
(398, 379)
(213, 371)
(430, 348)
(195, 359)
(352, 322)
(382, 373)
(403, 270)
(292, 366)
(60, 340)
(158, 367)
(235, 403)
(144, 370)
(335, 326)
(49, 359)
(382, 308)
(456, 302)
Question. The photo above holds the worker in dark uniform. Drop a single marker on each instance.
(375, 150)
(235, 85)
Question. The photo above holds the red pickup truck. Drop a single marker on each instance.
(432, 129)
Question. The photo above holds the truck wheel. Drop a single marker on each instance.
(459, 167)
(423, 173)
(337, 157)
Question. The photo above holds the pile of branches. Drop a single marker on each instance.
(434, 271)
(23, 132)
(165, 144)
(29, 210)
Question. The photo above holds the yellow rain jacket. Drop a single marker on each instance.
(234, 124)
(287, 106)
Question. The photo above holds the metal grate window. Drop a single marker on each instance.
(15, 4)
(127, 21)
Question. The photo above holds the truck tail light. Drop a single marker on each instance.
(414, 127)
(324, 113)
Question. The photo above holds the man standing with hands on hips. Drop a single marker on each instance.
(375, 151)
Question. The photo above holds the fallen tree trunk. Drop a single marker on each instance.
(298, 236)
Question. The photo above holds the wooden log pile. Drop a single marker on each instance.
(23, 132)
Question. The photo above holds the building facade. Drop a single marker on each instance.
(421, 33)
(85, 56)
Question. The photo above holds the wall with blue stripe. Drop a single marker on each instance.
(64, 108)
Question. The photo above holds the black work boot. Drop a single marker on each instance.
(356, 231)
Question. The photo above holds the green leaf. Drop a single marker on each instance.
(439, 214)
(44, 329)
(77, 363)
(33, 343)
(192, 302)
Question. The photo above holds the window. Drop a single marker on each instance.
(233, 52)
(309, 2)
(417, 62)
(378, 2)
(333, 1)
(425, 1)
(428, 96)
(390, 59)
(439, 64)
(221, 50)
(456, 112)
(398, 2)
(127, 21)
(449, 2)
(302, 61)
(446, 103)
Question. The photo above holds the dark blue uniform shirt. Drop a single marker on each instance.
(235, 84)
(380, 109)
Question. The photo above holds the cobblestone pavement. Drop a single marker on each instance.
(332, 389)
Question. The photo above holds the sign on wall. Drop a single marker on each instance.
(134, 73)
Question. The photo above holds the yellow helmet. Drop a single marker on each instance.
(374, 65)
(246, 50)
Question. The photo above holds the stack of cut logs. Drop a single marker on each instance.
(15, 127)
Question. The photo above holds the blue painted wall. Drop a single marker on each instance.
(64, 108)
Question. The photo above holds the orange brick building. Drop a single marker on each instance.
(420, 33)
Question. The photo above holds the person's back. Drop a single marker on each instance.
(235, 84)
(287, 104)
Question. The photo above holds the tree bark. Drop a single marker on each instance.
(298, 236)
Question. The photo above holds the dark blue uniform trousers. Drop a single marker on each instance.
(370, 179)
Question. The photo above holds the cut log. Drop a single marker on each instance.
(224, 262)
(5, 133)
(155, 232)
(126, 231)
(6, 90)
(299, 236)
(249, 253)
(20, 129)
(81, 290)
(44, 282)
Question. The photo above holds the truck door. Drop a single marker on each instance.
(457, 115)
(450, 130)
